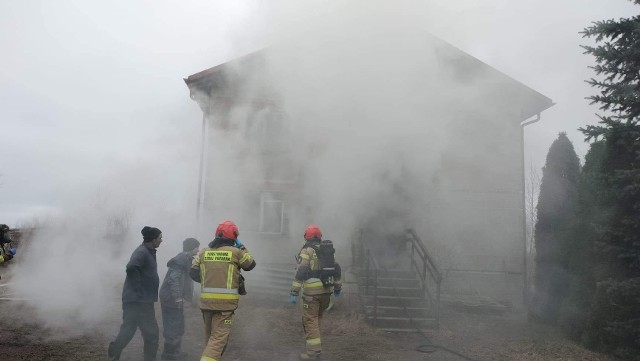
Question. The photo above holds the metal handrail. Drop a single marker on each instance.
(429, 268)
(370, 262)
(417, 242)
(365, 256)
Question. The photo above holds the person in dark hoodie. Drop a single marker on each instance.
(217, 269)
(176, 289)
(139, 293)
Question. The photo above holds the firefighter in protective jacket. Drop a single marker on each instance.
(217, 269)
(318, 275)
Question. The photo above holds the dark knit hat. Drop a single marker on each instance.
(190, 244)
(150, 233)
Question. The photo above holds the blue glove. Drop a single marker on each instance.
(337, 293)
(293, 299)
(238, 243)
(12, 251)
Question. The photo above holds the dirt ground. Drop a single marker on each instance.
(273, 331)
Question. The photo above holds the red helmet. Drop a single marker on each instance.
(227, 229)
(312, 232)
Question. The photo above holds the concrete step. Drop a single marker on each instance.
(391, 273)
(277, 287)
(268, 293)
(270, 279)
(405, 323)
(267, 279)
(274, 273)
(392, 282)
(393, 291)
(394, 301)
(392, 311)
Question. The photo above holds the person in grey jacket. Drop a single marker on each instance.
(139, 293)
(177, 288)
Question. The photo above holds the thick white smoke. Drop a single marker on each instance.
(72, 268)
(367, 103)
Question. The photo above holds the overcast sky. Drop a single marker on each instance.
(92, 97)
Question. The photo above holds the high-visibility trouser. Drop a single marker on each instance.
(312, 309)
(217, 326)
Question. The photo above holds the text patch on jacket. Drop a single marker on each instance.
(217, 256)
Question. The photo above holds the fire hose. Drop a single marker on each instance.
(429, 347)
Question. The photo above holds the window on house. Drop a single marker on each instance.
(265, 130)
(271, 213)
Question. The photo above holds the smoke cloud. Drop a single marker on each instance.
(366, 107)
(72, 268)
(370, 109)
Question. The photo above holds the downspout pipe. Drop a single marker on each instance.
(201, 180)
(525, 289)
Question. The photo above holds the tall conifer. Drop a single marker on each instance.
(592, 209)
(556, 215)
(614, 323)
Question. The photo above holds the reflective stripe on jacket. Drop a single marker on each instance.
(311, 286)
(220, 276)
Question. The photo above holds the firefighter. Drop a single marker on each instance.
(318, 275)
(217, 269)
(176, 290)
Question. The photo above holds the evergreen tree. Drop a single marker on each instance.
(592, 208)
(614, 321)
(618, 60)
(556, 215)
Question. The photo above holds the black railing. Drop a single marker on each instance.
(430, 276)
(362, 256)
(421, 262)
(371, 280)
